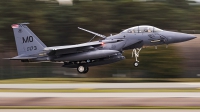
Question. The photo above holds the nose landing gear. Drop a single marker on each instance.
(136, 64)
(136, 53)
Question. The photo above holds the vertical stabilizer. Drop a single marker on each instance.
(26, 41)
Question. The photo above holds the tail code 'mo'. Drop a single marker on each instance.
(26, 41)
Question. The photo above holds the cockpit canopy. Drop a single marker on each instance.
(142, 29)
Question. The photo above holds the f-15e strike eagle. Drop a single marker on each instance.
(81, 56)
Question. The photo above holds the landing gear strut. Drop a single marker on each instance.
(136, 53)
(82, 69)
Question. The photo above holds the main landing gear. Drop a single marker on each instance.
(136, 53)
(82, 69)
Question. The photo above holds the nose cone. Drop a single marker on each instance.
(176, 37)
(186, 37)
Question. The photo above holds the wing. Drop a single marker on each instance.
(59, 50)
(73, 46)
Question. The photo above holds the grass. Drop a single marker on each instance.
(118, 107)
(98, 90)
(95, 80)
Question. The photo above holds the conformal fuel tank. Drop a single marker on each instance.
(87, 55)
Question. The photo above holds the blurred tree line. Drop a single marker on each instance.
(57, 25)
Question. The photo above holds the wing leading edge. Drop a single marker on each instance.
(73, 46)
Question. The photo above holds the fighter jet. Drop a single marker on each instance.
(108, 49)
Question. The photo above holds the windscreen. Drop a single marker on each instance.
(142, 29)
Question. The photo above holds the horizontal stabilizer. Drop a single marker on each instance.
(20, 58)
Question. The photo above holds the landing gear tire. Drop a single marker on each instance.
(82, 69)
(86, 70)
(136, 64)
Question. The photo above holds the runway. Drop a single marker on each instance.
(120, 99)
(100, 85)
(99, 110)
(101, 95)
(100, 102)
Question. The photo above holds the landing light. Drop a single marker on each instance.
(102, 43)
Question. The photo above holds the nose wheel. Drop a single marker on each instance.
(136, 53)
(82, 69)
(136, 64)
